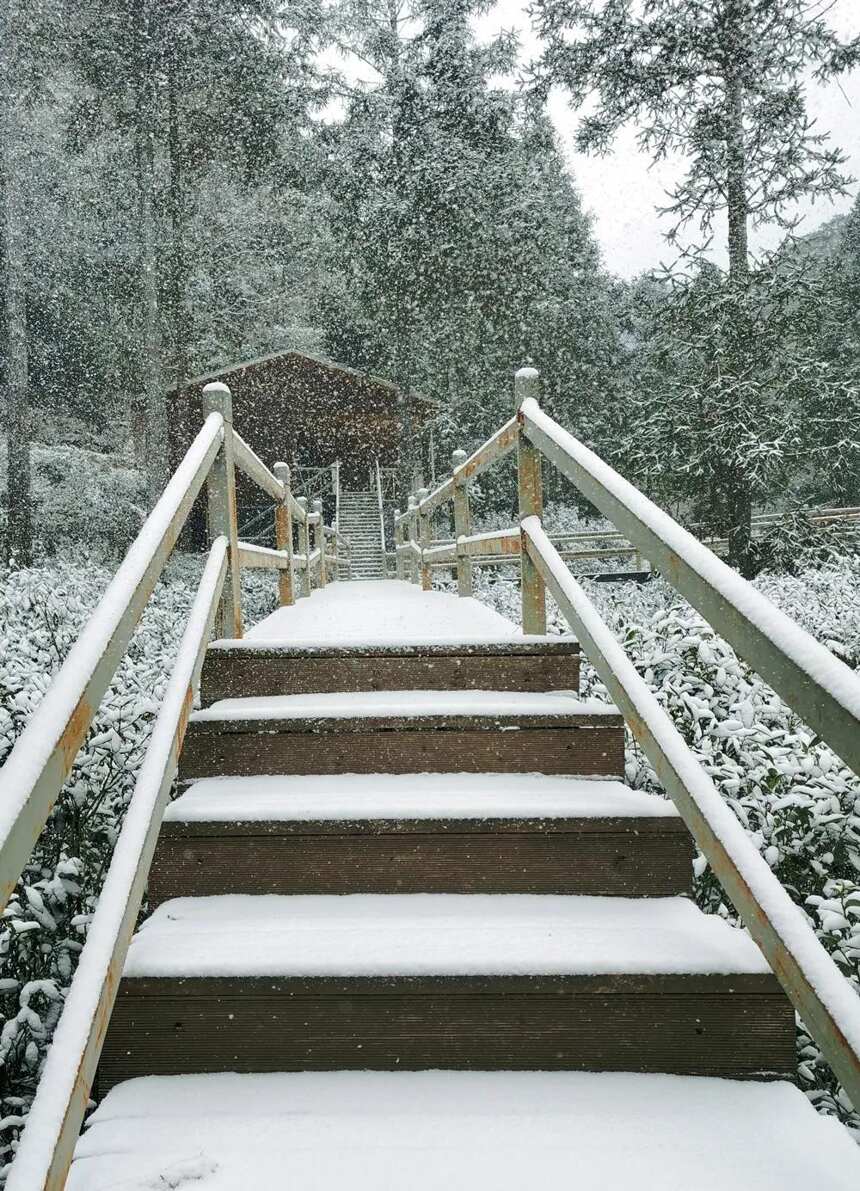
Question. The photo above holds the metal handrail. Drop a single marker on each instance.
(813, 682)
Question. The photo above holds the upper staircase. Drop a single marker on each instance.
(360, 522)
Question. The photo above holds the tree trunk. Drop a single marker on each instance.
(153, 432)
(738, 495)
(736, 196)
(177, 284)
(19, 531)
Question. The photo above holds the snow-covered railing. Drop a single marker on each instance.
(574, 547)
(820, 688)
(40, 762)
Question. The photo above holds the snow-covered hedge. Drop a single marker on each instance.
(798, 802)
(42, 610)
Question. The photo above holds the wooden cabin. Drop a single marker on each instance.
(305, 411)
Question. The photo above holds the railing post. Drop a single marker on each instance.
(424, 539)
(412, 531)
(305, 542)
(319, 538)
(221, 510)
(530, 489)
(462, 526)
(284, 537)
(398, 542)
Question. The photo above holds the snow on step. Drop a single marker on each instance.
(373, 613)
(417, 796)
(436, 935)
(403, 705)
(384, 1131)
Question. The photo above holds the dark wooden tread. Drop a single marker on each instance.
(243, 740)
(738, 1026)
(615, 857)
(425, 833)
(430, 981)
(540, 664)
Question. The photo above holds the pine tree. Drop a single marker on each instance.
(721, 81)
(459, 244)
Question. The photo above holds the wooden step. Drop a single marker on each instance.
(445, 981)
(232, 670)
(423, 833)
(404, 732)
(426, 1130)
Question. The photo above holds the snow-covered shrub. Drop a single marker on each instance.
(798, 802)
(42, 611)
(82, 498)
(794, 545)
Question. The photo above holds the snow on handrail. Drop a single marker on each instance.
(818, 686)
(825, 1000)
(251, 555)
(53, 1123)
(44, 753)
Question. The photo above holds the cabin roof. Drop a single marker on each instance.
(260, 362)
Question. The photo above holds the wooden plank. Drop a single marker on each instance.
(239, 673)
(714, 1026)
(261, 858)
(423, 724)
(581, 750)
(263, 557)
(513, 647)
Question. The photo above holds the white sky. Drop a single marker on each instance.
(623, 190)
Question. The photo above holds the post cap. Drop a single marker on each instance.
(457, 457)
(317, 505)
(303, 501)
(526, 384)
(412, 502)
(217, 397)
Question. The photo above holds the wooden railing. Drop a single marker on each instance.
(42, 758)
(595, 544)
(822, 690)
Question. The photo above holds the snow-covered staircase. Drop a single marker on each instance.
(443, 873)
(359, 522)
(404, 909)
